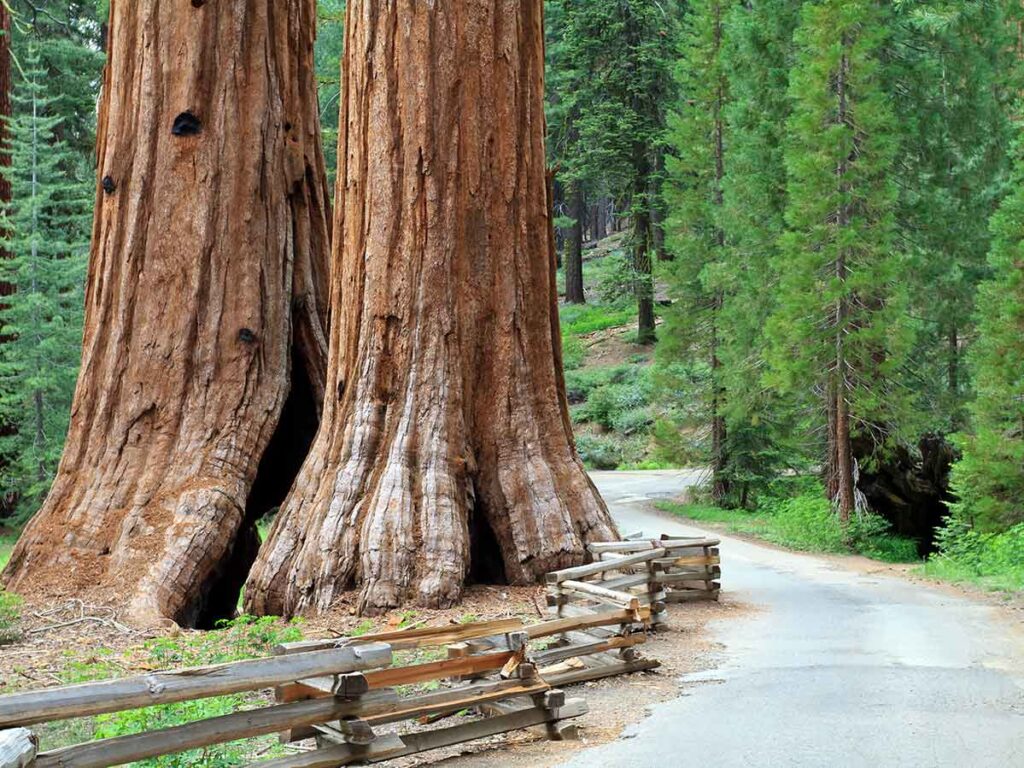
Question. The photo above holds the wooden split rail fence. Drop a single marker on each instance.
(637, 573)
(351, 693)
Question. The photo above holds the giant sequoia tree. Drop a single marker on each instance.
(205, 300)
(446, 438)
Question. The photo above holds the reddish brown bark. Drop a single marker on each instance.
(208, 268)
(446, 435)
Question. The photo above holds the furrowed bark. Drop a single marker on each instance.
(446, 436)
(208, 273)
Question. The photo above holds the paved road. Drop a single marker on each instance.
(834, 667)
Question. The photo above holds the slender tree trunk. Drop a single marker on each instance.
(658, 209)
(446, 443)
(574, 253)
(843, 457)
(205, 298)
(719, 435)
(643, 284)
(601, 219)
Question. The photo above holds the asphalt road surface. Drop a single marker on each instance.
(834, 666)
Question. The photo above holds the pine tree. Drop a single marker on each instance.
(947, 62)
(696, 233)
(48, 239)
(624, 52)
(758, 57)
(837, 334)
(990, 478)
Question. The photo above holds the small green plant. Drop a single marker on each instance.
(10, 616)
(573, 353)
(242, 638)
(991, 560)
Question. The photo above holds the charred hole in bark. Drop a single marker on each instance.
(198, 3)
(186, 124)
(277, 471)
(109, 185)
(486, 565)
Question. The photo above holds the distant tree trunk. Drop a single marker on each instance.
(658, 209)
(446, 442)
(719, 430)
(601, 219)
(643, 285)
(574, 252)
(205, 299)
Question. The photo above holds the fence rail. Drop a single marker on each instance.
(349, 692)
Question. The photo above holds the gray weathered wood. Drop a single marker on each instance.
(582, 571)
(413, 743)
(597, 592)
(17, 748)
(217, 730)
(596, 673)
(166, 687)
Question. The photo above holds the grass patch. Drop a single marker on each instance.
(581, 319)
(6, 546)
(243, 638)
(807, 523)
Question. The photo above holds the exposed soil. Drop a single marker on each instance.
(58, 636)
(615, 346)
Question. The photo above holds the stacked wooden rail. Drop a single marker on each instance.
(638, 573)
(350, 693)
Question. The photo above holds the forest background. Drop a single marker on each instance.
(790, 239)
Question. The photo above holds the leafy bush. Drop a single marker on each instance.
(806, 521)
(579, 384)
(994, 560)
(608, 403)
(599, 452)
(581, 319)
(10, 615)
(633, 421)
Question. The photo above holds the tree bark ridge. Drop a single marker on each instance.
(208, 268)
(446, 416)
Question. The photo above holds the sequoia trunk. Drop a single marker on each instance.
(208, 272)
(446, 437)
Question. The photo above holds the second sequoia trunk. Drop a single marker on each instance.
(206, 292)
(446, 437)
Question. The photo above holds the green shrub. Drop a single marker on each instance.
(608, 404)
(599, 452)
(633, 421)
(10, 616)
(581, 319)
(994, 560)
(806, 521)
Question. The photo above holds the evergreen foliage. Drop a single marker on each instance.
(990, 478)
(47, 242)
(837, 334)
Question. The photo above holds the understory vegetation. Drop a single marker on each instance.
(795, 513)
(243, 638)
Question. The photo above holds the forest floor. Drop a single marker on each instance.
(71, 642)
(609, 377)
